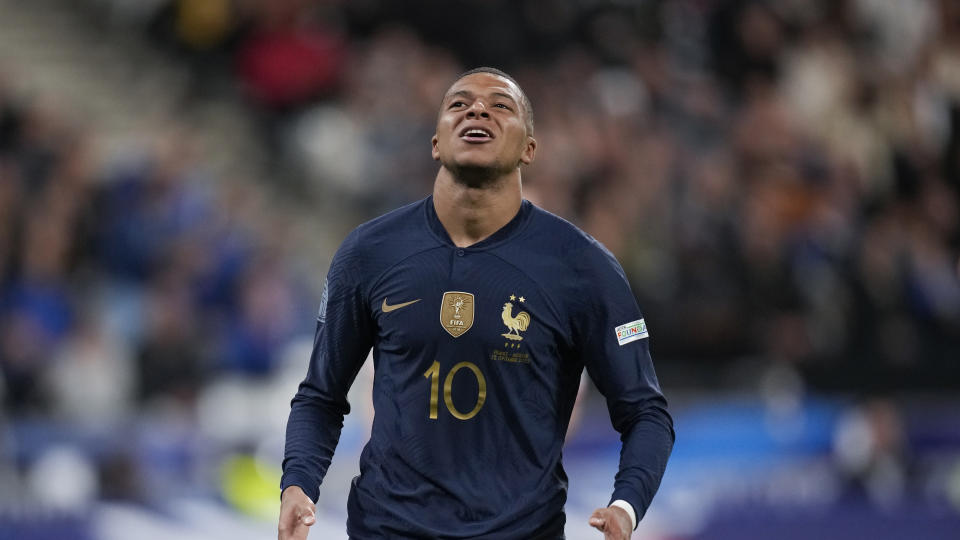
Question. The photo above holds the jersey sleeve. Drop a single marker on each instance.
(342, 340)
(613, 343)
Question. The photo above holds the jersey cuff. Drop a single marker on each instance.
(630, 511)
(295, 478)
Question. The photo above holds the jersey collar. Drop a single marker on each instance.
(513, 227)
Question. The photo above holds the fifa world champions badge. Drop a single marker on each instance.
(456, 312)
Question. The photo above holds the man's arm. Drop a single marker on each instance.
(343, 338)
(614, 345)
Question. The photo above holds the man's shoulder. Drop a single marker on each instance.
(569, 252)
(560, 236)
(386, 239)
(399, 221)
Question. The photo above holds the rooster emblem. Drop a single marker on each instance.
(515, 325)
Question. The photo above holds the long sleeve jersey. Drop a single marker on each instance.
(477, 354)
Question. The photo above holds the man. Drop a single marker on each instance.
(482, 311)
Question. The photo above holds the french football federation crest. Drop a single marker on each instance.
(456, 312)
(514, 324)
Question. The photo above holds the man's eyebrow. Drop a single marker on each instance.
(461, 93)
(506, 95)
(469, 94)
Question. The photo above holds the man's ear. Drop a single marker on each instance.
(529, 152)
(435, 151)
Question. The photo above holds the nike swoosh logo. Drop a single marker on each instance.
(388, 308)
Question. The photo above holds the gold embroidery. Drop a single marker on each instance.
(388, 308)
(514, 325)
(456, 312)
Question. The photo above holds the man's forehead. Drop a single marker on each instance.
(488, 83)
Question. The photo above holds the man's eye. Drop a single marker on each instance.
(457, 104)
(503, 106)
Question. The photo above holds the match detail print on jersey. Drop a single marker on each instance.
(456, 312)
(386, 308)
(632, 331)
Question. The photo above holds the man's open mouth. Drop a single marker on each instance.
(476, 135)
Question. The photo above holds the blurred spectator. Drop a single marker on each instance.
(288, 57)
(148, 210)
(171, 356)
(203, 25)
(203, 34)
(90, 381)
(869, 450)
(264, 321)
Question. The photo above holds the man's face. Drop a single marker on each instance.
(482, 127)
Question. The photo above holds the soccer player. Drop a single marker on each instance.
(482, 311)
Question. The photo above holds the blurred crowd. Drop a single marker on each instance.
(780, 180)
(124, 282)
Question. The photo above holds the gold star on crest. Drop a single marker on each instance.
(513, 297)
(522, 299)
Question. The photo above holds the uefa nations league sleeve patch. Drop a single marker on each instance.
(631, 331)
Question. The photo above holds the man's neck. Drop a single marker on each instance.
(471, 214)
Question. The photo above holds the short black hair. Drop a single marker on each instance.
(527, 106)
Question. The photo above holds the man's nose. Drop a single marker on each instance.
(478, 109)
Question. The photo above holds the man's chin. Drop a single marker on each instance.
(476, 175)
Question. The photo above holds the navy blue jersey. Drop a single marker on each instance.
(477, 357)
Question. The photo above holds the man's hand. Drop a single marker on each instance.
(613, 521)
(297, 514)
